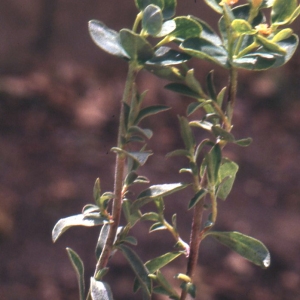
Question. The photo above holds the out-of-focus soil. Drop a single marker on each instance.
(59, 104)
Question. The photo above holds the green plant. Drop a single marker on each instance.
(245, 42)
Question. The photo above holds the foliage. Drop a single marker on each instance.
(162, 44)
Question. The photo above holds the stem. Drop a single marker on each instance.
(119, 172)
(195, 237)
(232, 92)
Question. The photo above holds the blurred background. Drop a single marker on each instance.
(59, 105)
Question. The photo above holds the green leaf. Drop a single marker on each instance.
(197, 197)
(100, 290)
(156, 191)
(145, 133)
(97, 191)
(243, 142)
(192, 107)
(159, 262)
(166, 72)
(204, 49)
(77, 220)
(182, 89)
(140, 157)
(137, 48)
(213, 161)
(186, 134)
(282, 11)
(139, 269)
(190, 288)
(169, 8)
(90, 208)
(157, 226)
(207, 32)
(165, 56)
(270, 45)
(179, 152)
(152, 19)
(214, 4)
(186, 27)
(227, 172)
(79, 269)
(150, 216)
(222, 134)
(282, 35)
(290, 45)
(131, 217)
(242, 27)
(210, 86)
(142, 4)
(107, 39)
(102, 239)
(150, 110)
(167, 28)
(248, 247)
(130, 178)
(167, 288)
(256, 61)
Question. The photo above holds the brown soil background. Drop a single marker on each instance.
(59, 102)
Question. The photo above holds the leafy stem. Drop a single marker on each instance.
(119, 173)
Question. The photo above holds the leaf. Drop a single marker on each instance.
(197, 197)
(159, 262)
(207, 32)
(166, 72)
(139, 269)
(282, 35)
(150, 110)
(152, 19)
(182, 89)
(282, 11)
(147, 133)
(248, 247)
(77, 220)
(107, 39)
(137, 48)
(270, 45)
(156, 191)
(186, 27)
(157, 226)
(242, 27)
(130, 178)
(97, 191)
(243, 142)
(140, 157)
(131, 217)
(204, 49)
(290, 45)
(150, 216)
(79, 269)
(210, 86)
(166, 56)
(228, 170)
(222, 134)
(256, 61)
(179, 152)
(213, 160)
(100, 290)
(167, 28)
(102, 239)
(186, 134)
(142, 4)
(169, 8)
(167, 288)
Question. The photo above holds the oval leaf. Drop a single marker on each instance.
(152, 19)
(137, 48)
(107, 39)
(248, 247)
(100, 290)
